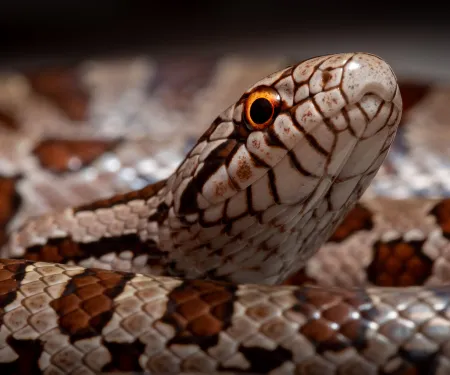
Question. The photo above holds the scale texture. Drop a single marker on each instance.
(178, 276)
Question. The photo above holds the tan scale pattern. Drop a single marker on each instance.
(407, 239)
(322, 146)
(341, 114)
(287, 329)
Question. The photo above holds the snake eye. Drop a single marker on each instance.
(261, 107)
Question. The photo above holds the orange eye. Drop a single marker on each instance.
(261, 107)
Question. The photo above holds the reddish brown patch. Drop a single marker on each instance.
(10, 202)
(326, 76)
(300, 278)
(399, 263)
(220, 188)
(441, 212)
(244, 171)
(63, 87)
(333, 319)
(358, 219)
(87, 303)
(199, 311)
(12, 273)
(412, 93)
(8, 121)
(256, 143)
(144, 194)
(62, 155)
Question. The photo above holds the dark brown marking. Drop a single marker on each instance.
(8, 121)
(326, 76)
(161, 214)
(399, 263)
(261, 360)
(10, 202)
(297, 165)
(441, 212)
(62, 250)
(144, 194)
(12, 273)
(199, 311)
(87, 303)
(273, 186)
(63, 87)
(358, 219)
(217, 158)
(332, 324)
(29, 352)
(124, 356)
(205, 136)
(62, 155)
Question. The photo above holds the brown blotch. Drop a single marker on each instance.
(29, 352)
(441, 212)
(199, 311)
(62, 155)
(358, 219)
(12, 273)
(63, 87)
(399, 263)
(10, 202)
(412, 93)
(63, 250)
(8, 121)
(87, 303)
(124, 356)
(261, 360)
(141, 194)
(333, 320)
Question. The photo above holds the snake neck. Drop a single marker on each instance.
(254, 247)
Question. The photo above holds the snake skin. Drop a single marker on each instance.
(59, 318)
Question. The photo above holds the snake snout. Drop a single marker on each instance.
(366, 74)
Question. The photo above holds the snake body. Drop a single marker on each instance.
(180, 276)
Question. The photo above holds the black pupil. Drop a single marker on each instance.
(261, 111)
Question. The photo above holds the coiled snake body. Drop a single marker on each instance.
(180, 276)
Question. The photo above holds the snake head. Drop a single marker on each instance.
(303, 142)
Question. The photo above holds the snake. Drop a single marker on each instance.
(187, 275)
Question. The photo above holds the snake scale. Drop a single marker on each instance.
(180, 276)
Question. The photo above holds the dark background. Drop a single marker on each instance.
(414, 37)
